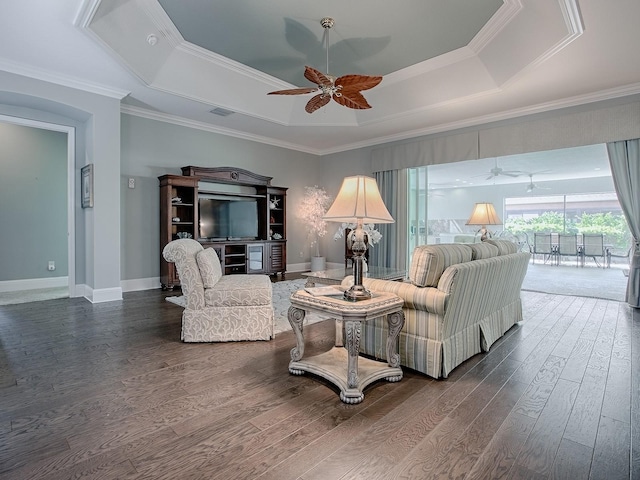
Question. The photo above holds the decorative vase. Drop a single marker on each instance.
(317, 264)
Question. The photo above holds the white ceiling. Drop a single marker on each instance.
(446, 64)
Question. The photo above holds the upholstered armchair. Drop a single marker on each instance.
(219, 308)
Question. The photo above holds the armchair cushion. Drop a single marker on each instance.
(209, 265)
(239, 290)
(429, 261)
(483, 250)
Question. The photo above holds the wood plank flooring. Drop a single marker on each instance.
(108, 391)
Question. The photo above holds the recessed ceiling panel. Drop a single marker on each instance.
(280, 37)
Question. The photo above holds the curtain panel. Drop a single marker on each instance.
(391, 251)
(624, 158)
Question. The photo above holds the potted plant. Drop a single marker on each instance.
(311, 210)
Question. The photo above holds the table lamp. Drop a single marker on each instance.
(484, 214)
(359, 202)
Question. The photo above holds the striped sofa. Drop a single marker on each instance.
(459, 299)
(219, 308)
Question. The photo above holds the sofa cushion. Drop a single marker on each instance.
(483, 250)
(239, 290)
(429, 261)
(209, 265)
(505, 247)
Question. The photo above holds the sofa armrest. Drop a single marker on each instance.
(429, 299)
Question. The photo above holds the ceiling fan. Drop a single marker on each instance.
(532, 186)
(497, 171)
(345, 90)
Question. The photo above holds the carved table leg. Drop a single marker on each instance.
(296, 317)
(395, 321)
(352, 394)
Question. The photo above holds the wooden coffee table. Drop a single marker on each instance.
(336, 275)
(343, 366)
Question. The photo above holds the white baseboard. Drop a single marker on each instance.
(140, 284)
(101, 295)
(33, 284)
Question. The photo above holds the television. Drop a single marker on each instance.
(225, 217)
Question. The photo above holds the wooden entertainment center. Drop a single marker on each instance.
(264, 251)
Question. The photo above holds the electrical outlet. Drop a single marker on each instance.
(132, 183)
(51, 266)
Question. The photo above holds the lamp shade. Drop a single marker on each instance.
(484, 214)
(358, 199)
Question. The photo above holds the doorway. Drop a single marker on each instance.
(35, 227)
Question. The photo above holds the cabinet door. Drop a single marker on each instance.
(255, 258)
(277, 257)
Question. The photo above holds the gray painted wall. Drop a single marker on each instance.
(33, 195)
(151, 149)
(118, 239)
(96, 118)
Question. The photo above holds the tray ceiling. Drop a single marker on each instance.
(446, 65)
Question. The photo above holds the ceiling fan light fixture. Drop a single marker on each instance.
(345, 90)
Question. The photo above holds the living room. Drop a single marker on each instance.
(111, 251)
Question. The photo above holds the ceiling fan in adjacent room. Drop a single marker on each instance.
(496, 171)
(345, 90)
(532, 186)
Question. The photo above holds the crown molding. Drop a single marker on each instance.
(632, 89)
(504, 15)
(62, 80)
(185, 122)
(611, 94)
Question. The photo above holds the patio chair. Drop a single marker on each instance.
(542, 245)
(568, 247)
(593, 246)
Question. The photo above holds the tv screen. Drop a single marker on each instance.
(226, 217)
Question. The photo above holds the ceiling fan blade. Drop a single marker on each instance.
(358, 82)
(316, 76)
(352, 99)
(509, 174)
(294, 91)
(317, 102)
(490, 177)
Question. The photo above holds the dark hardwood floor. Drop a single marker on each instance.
(108, 391)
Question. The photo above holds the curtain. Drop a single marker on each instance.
(391, 251)
(624, 158)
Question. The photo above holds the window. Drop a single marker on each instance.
(575, 213)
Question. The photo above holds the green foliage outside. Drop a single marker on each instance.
(614, 226)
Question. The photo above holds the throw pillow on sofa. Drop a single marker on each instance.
(429, 261)
(505, 247)
(483, 250)
(209, 266)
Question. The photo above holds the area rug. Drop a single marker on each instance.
(587, 281)
(281, 293)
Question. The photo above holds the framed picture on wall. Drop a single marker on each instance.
(86, 185)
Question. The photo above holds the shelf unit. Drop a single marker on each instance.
(178, 216)
(266, 254)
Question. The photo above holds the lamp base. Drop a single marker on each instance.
(357, 293)
(357, 242)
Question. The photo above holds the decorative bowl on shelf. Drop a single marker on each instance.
(184, 235)
(277, 236)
